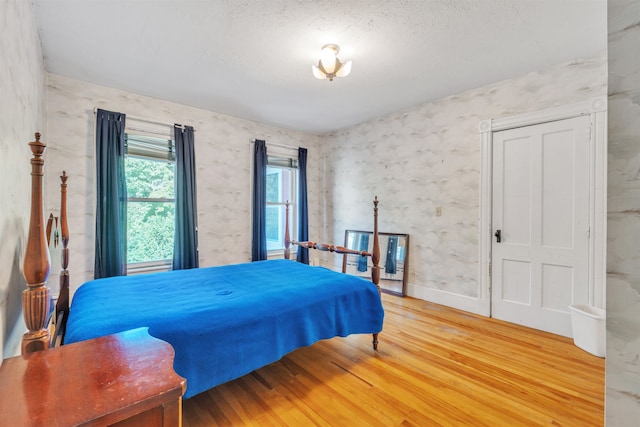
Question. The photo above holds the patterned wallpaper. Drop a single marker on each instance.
(623, 225)
(429, 156)
(223, 161)
(22, 95)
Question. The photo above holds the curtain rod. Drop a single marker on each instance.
(143, 119)
(276, 145)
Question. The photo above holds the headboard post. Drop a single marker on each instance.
(62, 306)
(35, 299)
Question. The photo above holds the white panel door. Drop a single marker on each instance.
(541, 214)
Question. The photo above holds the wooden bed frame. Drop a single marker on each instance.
(36, 299)
(62, 305)
(325, 247)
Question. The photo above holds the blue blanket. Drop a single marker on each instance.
(225, 322)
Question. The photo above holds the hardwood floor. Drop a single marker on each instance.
(435, 366)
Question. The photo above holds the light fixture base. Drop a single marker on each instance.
(333, 47)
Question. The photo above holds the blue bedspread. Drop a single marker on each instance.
(225, 322)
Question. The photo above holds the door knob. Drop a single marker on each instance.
(498, 235)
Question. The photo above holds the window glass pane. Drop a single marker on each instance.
(281, 187)
(149, 178)
(150, 224)
(150, 228)
(287, 187)
(274, 178)
(275, 228)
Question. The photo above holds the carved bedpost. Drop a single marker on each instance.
(287, 238)
(35, 299)
(50, 222)
(63, 297)
(375, 258)
(375, 253)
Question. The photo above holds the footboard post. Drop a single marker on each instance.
(35, 299)
(375, 253)
(375, 258)
(287, 238)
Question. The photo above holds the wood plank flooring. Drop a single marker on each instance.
(435, 366)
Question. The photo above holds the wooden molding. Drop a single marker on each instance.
(591, 106)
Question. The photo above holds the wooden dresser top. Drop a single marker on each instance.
(97, 382)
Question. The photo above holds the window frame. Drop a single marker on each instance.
(293, 203)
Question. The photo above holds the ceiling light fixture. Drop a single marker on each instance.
(329, 66)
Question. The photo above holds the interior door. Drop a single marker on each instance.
(540, 222)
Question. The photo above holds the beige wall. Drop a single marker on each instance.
(223, 163)
(22, 97)
(429, 156)
(623, 225)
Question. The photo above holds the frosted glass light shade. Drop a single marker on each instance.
(317, 73)
(328, 59)
(344, 70)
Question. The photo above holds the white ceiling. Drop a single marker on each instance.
(252, 58)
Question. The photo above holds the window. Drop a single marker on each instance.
(281, 187)
(149, 171)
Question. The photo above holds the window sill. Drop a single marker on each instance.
(149, 267)
(279, 254)
(275, 254)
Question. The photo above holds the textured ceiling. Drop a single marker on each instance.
(252, 58)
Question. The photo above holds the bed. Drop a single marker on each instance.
(227, 321)
(223, 322)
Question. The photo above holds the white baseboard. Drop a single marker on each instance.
(460, 302)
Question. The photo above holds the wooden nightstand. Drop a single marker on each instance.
(126, 379)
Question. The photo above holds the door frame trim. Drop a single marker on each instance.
(596, 108)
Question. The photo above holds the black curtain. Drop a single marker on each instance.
(111, 196)
(390, 265)
(303, 208)
(185, 243)
(259, 220)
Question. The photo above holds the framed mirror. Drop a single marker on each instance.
(394, 253)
